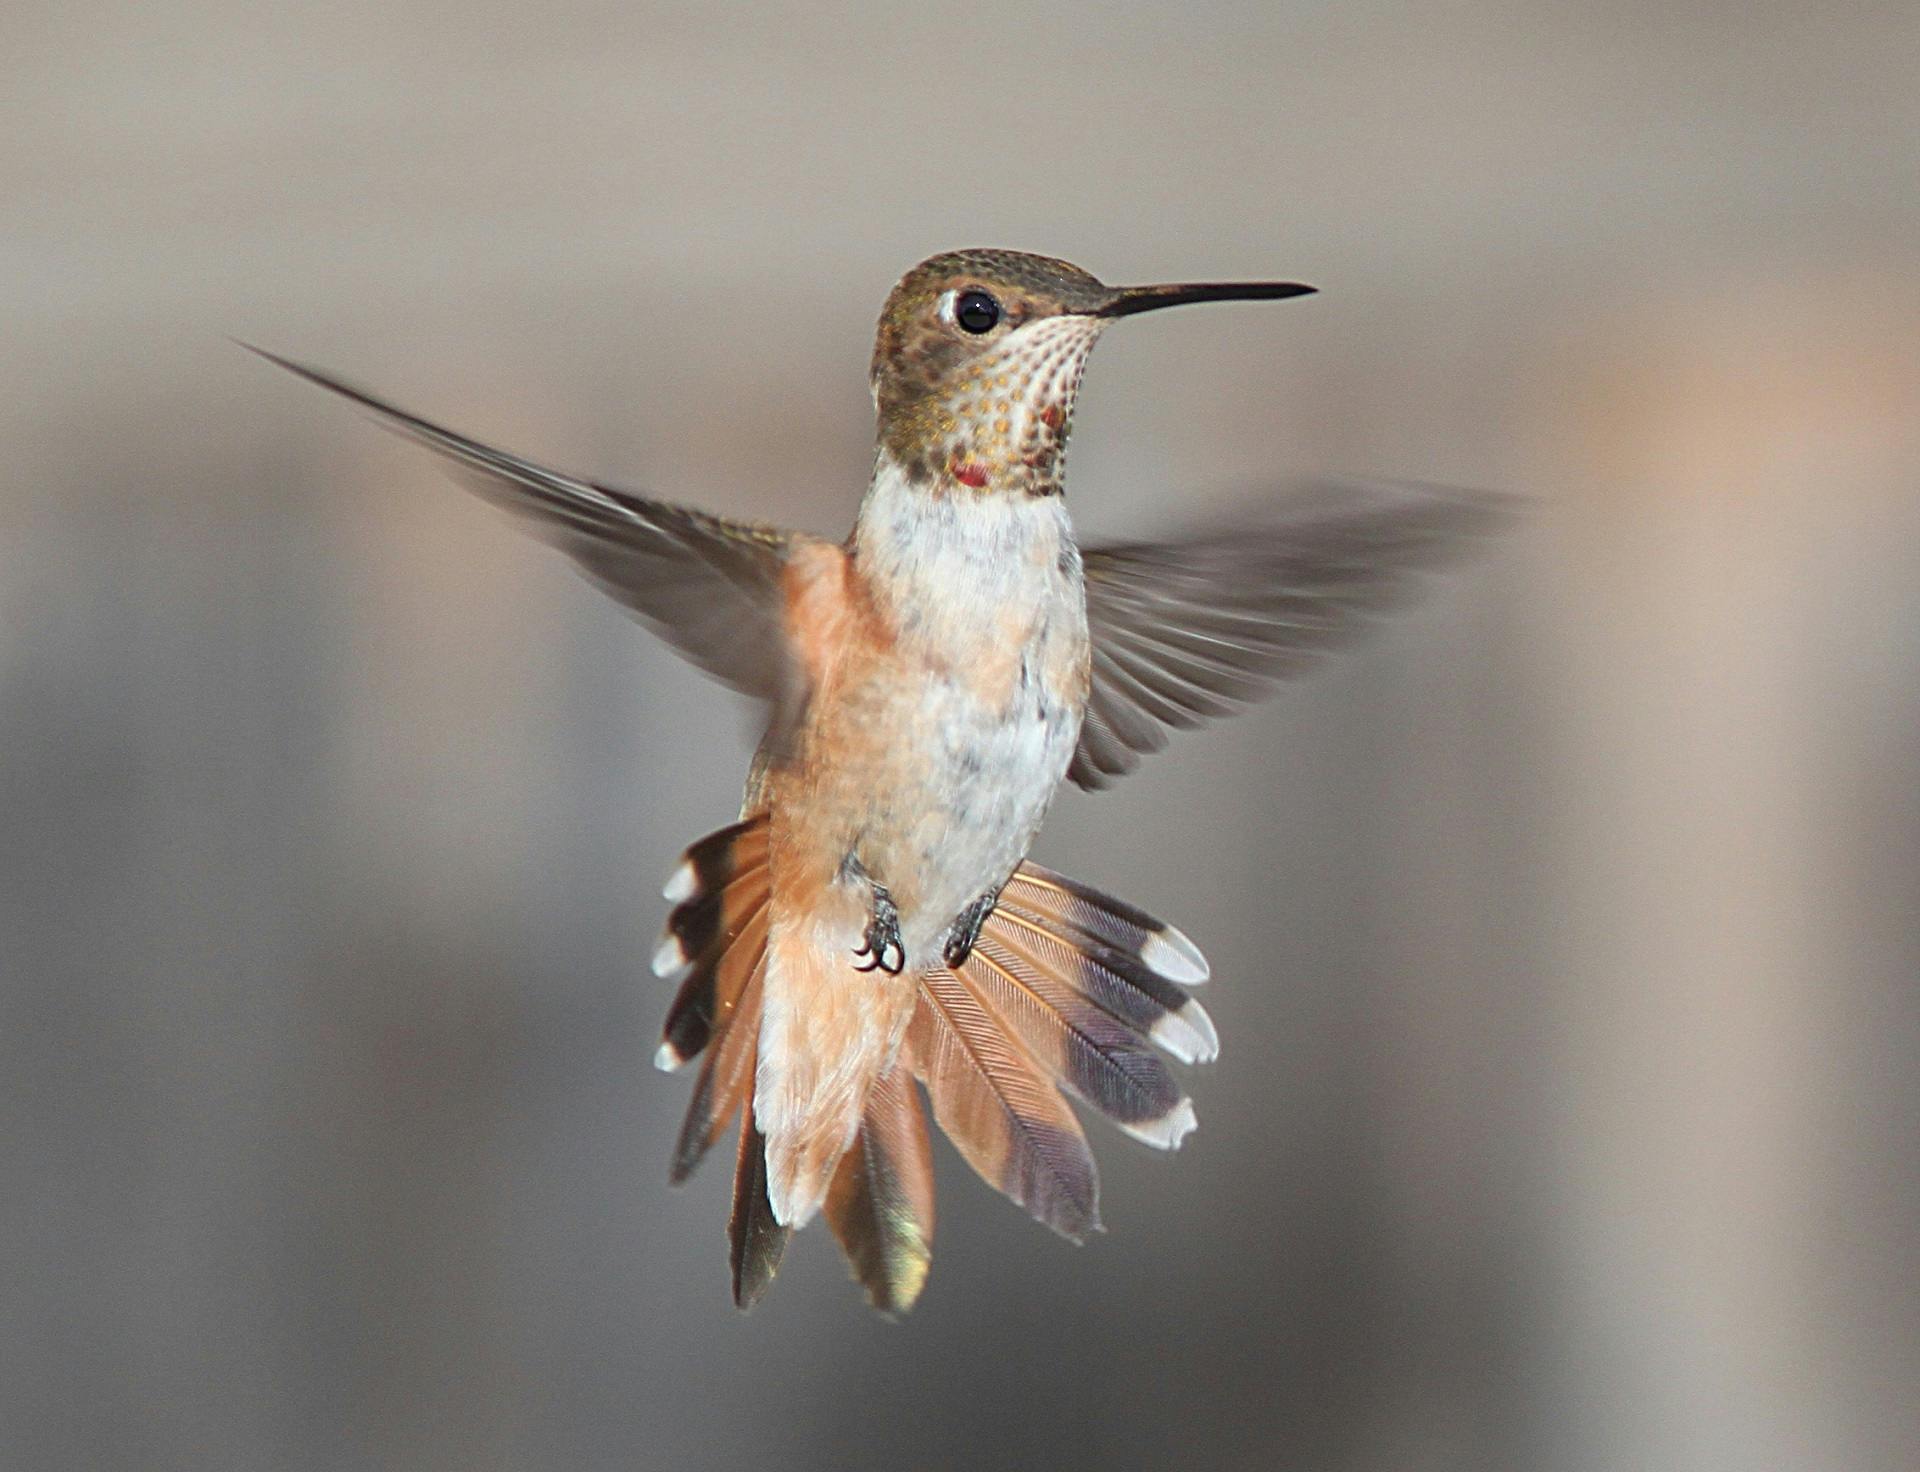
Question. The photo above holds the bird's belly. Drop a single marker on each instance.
(922, 777)
(967, 821)
(939, 785)
(943, 714)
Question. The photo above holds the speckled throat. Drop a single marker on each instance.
(998, 424)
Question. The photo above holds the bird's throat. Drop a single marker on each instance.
(942, 564)
(996, 425)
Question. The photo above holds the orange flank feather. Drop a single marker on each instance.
(826, 613)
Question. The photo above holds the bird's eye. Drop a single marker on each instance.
(976, 312)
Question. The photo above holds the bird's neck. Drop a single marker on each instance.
(937, 557)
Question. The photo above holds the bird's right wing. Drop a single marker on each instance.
(709, 586)
(1197, 628)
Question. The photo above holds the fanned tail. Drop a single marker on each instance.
(880, 1204)
(1066, 991)
(1066, 988)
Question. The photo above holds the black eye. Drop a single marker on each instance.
(976, 312)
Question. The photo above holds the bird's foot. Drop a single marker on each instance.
(883, 948)
(966, 929)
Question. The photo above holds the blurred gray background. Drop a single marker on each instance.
(1562, 935)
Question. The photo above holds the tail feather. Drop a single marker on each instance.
(725, 1083)
(755, 1240)
(1004, 1117)
(1066, 990)
(704, 1006)
(1131, 966)
(1094, 1055)
(1164, 949)
(880, 1204)
(710, 861)
(716, 934)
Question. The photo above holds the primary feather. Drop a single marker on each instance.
(1196, 628)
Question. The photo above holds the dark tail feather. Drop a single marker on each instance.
(725, 1085)
(1090, 986)
(704, 1004)
(715, 934)
(1096, 1056)
(1065, 988)
(880, 1204)
(755, 1239)
(1129, 965)
(718, 934)
(1004, 1117)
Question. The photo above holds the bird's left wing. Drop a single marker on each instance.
(1193, 630)
(709, 586)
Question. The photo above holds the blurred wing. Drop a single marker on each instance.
(708, 586)
(1189, 631)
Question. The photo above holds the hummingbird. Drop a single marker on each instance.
(871, 928)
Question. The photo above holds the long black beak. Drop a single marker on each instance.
(1130, 299)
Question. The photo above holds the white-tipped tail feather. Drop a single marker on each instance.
(1169, 952)
(682, 884)
(669, 956)
(1187, 1034)
(1166, 1132)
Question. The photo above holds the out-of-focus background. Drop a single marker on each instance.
(1562, 936)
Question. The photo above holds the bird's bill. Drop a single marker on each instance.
(1128, 300)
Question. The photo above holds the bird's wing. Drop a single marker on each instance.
(709, 586)
(1192, 630)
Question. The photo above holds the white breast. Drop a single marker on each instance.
(946, 561)
(985, 596)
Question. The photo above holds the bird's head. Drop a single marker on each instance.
(979, 355)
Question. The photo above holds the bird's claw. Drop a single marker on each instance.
(966, 929)
(882, 946)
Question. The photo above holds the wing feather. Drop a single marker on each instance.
(1190, 631)
(709, 586)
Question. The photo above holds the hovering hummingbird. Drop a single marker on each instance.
(872, 919)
